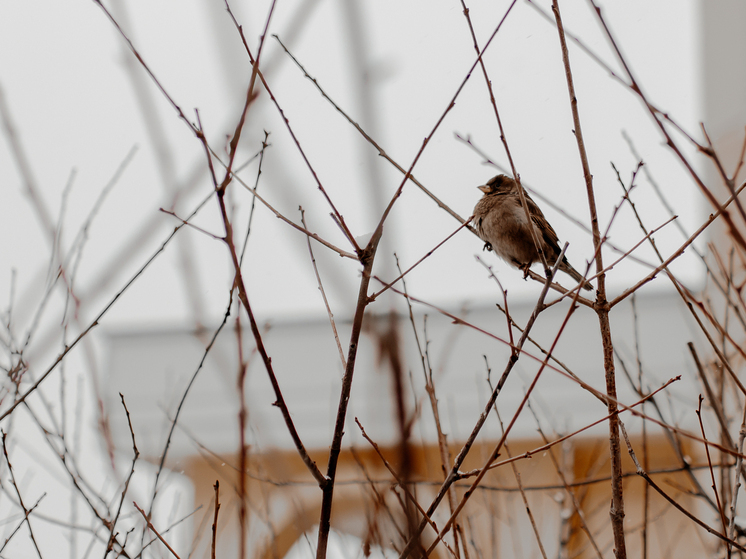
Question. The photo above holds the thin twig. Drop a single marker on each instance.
(258, 73)
(323, 293)
(655, 114)
(493, 457)
(575, 503)
(624, 256)
(188, 388)
(243, 447)
(517, 474)
(250, 96)
(135, 456)
(673, 440)
(152, 528)
(376, 237)
(721, 512)
(244, 298)
(26, 511)
(215, 519)
(657, 189)
(598, 394)
(198, 132)
(23, 521)
(399, 482)
(96, 320)
(643, 474)
(265, 145)
(705, 331)
(192, 225)
(380, 501)
(387, 286)
(506, 310)
(715, 402)
(445, 455)
(521, 193)
(515, 354)
(372, 142)
(737, 484)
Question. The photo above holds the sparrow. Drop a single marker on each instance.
(500, 221)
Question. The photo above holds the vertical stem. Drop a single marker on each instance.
(242, 461)
(737, 485)
(646, 489)
(645, 454)
(215, 520)
(602, 310)
(344, 398)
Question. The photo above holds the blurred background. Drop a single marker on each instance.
(93, 152)
(80, 104)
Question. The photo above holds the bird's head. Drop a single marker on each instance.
(498, 184)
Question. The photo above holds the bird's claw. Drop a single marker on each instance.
(487, 247)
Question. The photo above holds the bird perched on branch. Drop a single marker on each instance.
(501, 222)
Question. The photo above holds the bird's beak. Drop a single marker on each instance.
(484, 188)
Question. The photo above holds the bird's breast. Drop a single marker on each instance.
(504, 225)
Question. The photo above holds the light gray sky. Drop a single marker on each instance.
(73, 103)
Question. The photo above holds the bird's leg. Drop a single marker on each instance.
(525, 268)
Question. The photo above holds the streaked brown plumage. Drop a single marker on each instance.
(501, 222)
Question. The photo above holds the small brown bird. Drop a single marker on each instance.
(500, 221)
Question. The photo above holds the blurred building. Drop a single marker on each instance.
(154, 370)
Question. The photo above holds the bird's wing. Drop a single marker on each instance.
(543, 225)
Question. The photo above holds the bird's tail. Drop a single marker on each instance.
(574, 274)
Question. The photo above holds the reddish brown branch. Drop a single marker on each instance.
(602, 310)
(643, 474)
(403, 484)
(26, 511)
(453, 474)
(152, 529)
(344, 398)
(721, 512)
(503, 438)
(215, 519)
(244, 298)
(656, 115)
